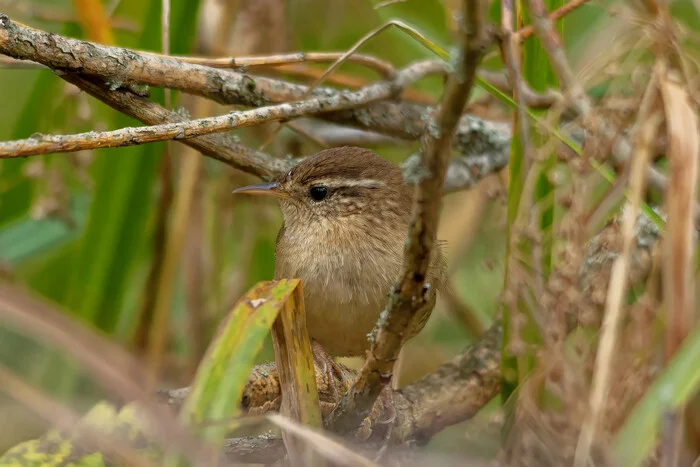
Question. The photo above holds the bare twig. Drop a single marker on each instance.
(9, 62)
(527, 31)
(410, 292)
(220, 147)
(456, 390)
(579, 100)
(463, 173)
(531, 98)
(453, 393)
(513, 66)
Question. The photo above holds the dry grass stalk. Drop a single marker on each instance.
(645, 135)
(322, 443)
(679, 254)
(683, 153)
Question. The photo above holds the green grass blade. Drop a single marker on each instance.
(677, 383)
(214, 400)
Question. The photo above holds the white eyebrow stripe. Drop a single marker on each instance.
(363, 183)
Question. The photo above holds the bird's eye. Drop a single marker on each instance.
(318, 193)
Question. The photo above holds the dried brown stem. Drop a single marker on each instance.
(513, 66)
(411, 293)
(645, 134)
(579, 100)
(383, 68)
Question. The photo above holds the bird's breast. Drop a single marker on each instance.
(345, 278)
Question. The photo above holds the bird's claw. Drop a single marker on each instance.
(332, 369)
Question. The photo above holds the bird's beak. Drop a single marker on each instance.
(267, 189)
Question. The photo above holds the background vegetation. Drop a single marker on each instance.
(87, 230)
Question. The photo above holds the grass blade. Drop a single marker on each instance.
(297, 375)
(224, 371)
(675, 385)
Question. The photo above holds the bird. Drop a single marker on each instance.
(346, 214)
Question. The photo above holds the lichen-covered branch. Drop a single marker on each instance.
(47, 144)
(411, 293)
(218, 146)
(117, 67)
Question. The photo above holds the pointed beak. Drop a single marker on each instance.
(266, 189)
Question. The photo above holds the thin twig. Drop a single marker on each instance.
(383, 68)
(455, 391)
(513, 66)
(679, 281)
(579, 100)
(527, 31)
(463, 173)
(531, 98)
(410, 293)
(9, 62)
(220, 147)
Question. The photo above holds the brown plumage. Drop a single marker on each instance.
(346, 215)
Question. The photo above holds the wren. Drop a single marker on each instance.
(346, 217)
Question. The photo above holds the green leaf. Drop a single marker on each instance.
(678, 382)
(223, 373)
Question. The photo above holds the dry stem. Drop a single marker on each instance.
(648, 124)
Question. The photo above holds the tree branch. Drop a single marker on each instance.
(117, 67)
(223, 148)
(458, 389)
(451, 394)
(184, 130)
(411, 293)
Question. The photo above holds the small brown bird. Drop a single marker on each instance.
(346, 217)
